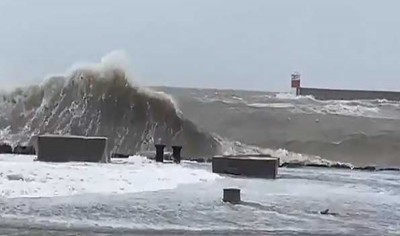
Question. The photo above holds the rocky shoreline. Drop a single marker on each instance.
(337, 166)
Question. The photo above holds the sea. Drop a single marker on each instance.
(137, 196)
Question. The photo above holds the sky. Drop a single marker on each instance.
(238, 44)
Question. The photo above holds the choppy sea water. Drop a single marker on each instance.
(166, 199)
(361, 132)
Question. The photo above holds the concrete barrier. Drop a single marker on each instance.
(251, 166)
(231, 195)
(55, 148)
(5, 148)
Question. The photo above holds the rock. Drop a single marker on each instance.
(199, 160)
(389, 169)
(24, 150)
(326, 212)
(317, 165)
(340, 166)
(15, 177)
(119, 155)
(5, 148)
(292, 164)
(366, 168)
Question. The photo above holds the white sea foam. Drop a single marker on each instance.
(291, 96)
(21, 176)
(271, 105)
(308, 104)
(339, 108)
(238, 148)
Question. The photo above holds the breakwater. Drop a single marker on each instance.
(341, 94)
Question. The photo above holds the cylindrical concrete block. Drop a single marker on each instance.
(232, 195)
(176, 153)
(159, 152)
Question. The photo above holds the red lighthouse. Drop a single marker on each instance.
(296, 81)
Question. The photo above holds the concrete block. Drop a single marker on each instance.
(58, 148)
(5, 148)
(231, 195)
(252, 166)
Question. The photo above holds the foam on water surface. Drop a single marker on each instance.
(365, 204)
(21, 176)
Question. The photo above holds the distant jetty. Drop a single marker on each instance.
(341, 94)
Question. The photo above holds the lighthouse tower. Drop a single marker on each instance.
(295, 83)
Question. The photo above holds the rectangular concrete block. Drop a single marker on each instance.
(252, 166)
(60, 148)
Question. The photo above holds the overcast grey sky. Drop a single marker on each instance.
(253, 44)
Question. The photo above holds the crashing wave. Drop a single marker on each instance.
(101, 100)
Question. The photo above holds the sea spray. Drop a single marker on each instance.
(102, 99)
(105, 99)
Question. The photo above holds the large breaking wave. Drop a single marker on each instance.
(101, 99)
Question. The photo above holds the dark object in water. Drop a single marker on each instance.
(24, 150)
(15, 177)
(326, 212)
(317, 165)
(59, 148)
(119, 155)
(292, 164)
(367, 168)
(389, 169)
(199, 160)
(152, 155)
(341, 166)
(176, 153)
(159, 152)
(231, 195)
(5, 148)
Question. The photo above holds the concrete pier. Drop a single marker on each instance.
(59, 148)
(260, 166)
(231, 195)
(342, 94)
